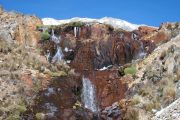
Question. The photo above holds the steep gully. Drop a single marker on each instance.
(96, 52)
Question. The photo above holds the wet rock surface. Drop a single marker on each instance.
(112, 112)
(98, 45)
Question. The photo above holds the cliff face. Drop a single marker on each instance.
(98, 45)
(94, 48)
(15, 27)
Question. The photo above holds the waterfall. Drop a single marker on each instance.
(77, 31)
(55, 38)
(59, 54)
(89, 95)
(141, 51)
(134, 36)
(121, 35)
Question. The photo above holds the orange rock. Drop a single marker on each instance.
(27, 78)
(26, 32)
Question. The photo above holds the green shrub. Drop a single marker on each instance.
(39, 26)
(45, 36)
(130, 70)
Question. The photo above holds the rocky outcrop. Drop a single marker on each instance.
(165, 32)
(19, 28)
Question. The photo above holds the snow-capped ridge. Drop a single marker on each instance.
(116, 23)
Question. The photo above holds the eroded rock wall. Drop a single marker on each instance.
(19, 28)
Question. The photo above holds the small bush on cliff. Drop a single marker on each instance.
(76, 24)
(39, 27)
(45, 36)
(130, 70)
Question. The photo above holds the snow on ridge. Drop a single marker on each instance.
(117, 23)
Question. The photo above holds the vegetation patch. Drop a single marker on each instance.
(57, 74)
(76, 24)
(45, 35)
(130, 70)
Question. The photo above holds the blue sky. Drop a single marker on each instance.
(150, 12)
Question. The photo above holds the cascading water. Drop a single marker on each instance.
(59, 54)
(77, 31)
(55, 38)
(141, 51)
(89, 95)
(134, 36)
(121, 35)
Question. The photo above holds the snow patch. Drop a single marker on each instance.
(116, 23)
(105, 68)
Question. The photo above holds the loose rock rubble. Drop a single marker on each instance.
(172, 112)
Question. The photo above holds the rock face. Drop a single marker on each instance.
(109, 87)
(15, 27)
(92, 47)
(95, 46)
(165, 32)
